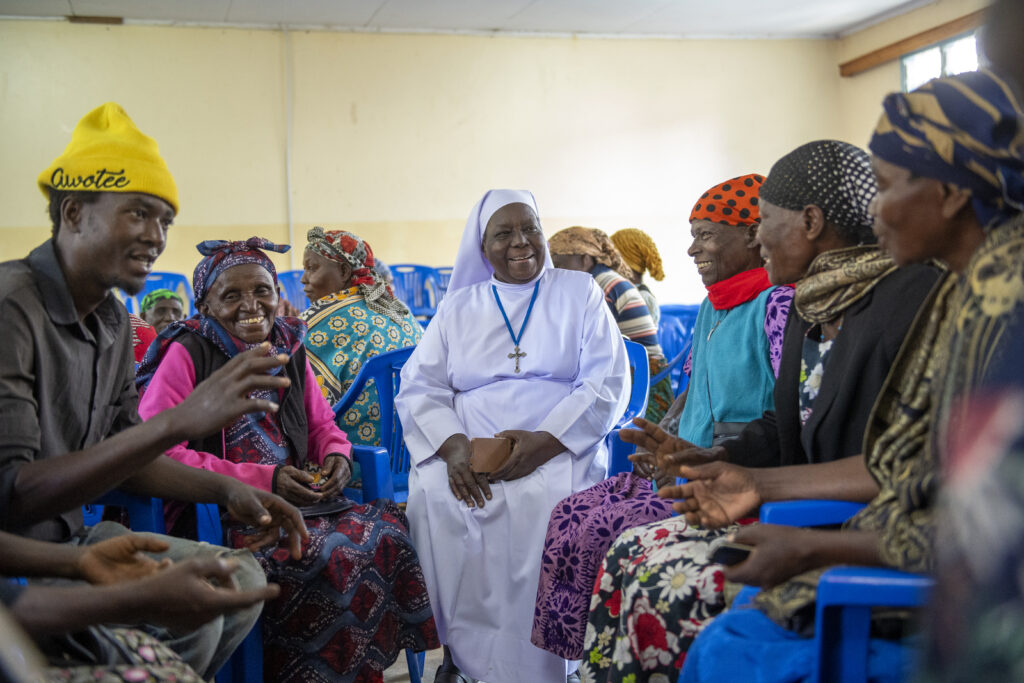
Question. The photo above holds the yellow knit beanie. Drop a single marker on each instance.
(639, 251)
(108, 153)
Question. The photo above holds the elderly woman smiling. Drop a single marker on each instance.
(520, 350)
(354, 317)
(325, 625)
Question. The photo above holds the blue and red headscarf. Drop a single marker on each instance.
(222, 254)
(286, 335)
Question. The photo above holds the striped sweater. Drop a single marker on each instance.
(628, 307)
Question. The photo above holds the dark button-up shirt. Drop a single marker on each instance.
(65, 384)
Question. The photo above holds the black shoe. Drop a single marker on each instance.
(449, 673)
(452, 675)
(574, 677)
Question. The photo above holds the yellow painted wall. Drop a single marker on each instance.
(396, 136)
(860, 96)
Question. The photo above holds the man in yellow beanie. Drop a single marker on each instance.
(69, 429)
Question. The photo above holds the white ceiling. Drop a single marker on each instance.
(669, 18)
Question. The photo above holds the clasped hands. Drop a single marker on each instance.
(301, 487)
(530, 450)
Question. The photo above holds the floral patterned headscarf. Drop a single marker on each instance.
(344, 247)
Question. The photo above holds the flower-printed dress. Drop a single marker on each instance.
(654, 593)
(812, 368)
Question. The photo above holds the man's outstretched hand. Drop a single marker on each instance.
(670, 451)
(716, 494)
(269, 513)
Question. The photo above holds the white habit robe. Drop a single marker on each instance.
(482, 566)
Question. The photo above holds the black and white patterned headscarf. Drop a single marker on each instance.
(832, 175)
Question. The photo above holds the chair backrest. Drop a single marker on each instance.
(675, 334)
(385, 371)
(444, 276)
(292, 288)
(675, 329)
(419, 287)
(641, 372)
(176, 282)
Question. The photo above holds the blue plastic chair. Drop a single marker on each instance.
(675, 334)
(292, 288)
(385, 371)
(444, 276)
(176, 282)
(618, 450)
(641, 371)
(144, 513)
(419, 287)
(845, 595)
(618, 453)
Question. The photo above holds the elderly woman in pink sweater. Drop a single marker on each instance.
(357, 597)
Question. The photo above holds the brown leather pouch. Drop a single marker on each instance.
(489, 455)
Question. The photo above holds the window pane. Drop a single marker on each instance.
(961, 56)
(921, 67)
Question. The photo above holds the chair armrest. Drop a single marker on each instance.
(809, 512)
(376, 466)
(144, 513)
(842, 586)
(842, 625)
(667, 370)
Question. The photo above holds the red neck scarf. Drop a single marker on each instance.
(738, 289)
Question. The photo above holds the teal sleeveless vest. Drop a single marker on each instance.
(731, 378)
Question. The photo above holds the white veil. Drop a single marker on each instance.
(471, 266)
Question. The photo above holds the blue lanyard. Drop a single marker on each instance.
(508, 325)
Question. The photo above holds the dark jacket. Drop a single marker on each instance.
(207, 359)
(872, 331)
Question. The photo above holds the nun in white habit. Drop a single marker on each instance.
(523, 350)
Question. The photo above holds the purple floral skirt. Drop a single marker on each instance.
(581, 530)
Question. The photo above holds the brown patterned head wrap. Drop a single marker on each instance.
(589, 242)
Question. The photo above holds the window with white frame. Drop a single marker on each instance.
(950, 57)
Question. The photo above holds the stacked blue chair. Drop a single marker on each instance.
(292, 288)
(176, 282)
(419, 287)
(675, 334)
(444, 276)
(846, 595)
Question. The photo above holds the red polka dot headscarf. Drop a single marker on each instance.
(733, 202)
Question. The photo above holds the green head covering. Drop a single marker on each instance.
(150, 299)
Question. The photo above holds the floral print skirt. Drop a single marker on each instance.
(654, 593)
